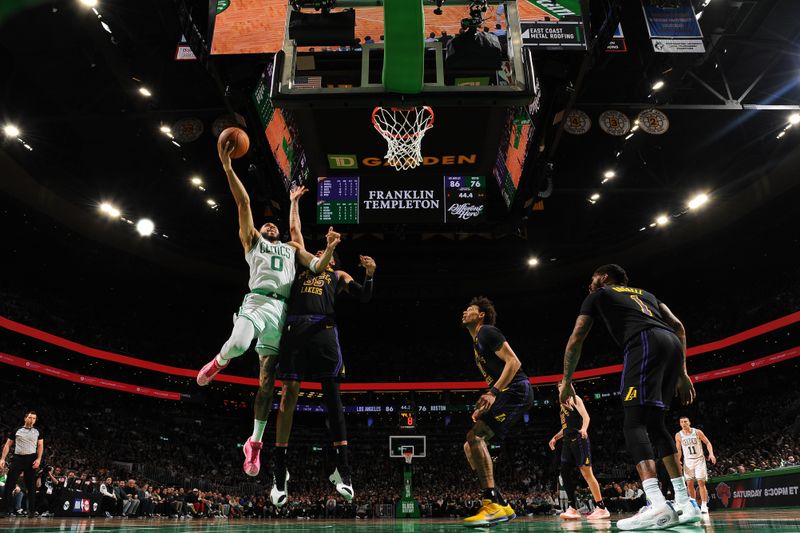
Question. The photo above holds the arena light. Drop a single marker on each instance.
(145, 227)
(595, 196)
(89, 3)
(211, 202)
(698, 201)
(110, 210)
(196, 181)
(533, 261)
(609, 174)
(794, 119)
(144, 91)
(780, 135)
(662, 220)
(628, 136)
(658, 85)
(11, 130)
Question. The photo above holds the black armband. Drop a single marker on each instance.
(494, 391)
(362, 292)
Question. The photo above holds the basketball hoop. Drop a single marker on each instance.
(408, 455)
(403, 128)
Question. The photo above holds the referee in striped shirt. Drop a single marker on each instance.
(28, 448)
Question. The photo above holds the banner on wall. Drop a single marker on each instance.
(561, 28)
(673, 27)
(774, 488)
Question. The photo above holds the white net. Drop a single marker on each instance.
(403, 128)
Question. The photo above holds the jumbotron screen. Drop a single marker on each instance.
(257, 26)
(400, 199)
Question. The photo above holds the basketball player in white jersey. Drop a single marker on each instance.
(689, 442)
(263, 312)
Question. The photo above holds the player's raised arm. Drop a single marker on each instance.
(702, 436)
(361, 291)
(318, 264)
(572, 354)
(247, 230)
(512, 365)
(295, 229)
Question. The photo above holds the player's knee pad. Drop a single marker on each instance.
(637, 441)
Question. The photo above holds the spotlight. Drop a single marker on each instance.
(595, 196)
(166, 129)
(635, 127)
(110, 210)
(609, 174)
(11, 130)
(781, 134)
(658, 85)
(662, 220)
(698, 201)
(211, 202)
(794, 118)
(145, 227)
(144, 91)
(197, 181)
(533, 261)
(89, 3)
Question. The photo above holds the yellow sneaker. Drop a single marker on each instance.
(489, 515)
(510, 514)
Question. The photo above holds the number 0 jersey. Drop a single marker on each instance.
(272, 266)
(625, 311)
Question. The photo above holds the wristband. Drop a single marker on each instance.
(494, 391)
(313, 265)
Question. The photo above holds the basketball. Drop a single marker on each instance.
(239, 139)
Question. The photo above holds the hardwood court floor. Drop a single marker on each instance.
(784, 520)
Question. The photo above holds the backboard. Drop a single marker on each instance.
(398, 443)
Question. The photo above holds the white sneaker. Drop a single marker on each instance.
(277, 496)
(704, 508)
(344, 485)
(689, 511)
(650, 517)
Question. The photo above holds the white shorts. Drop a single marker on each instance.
(268, 316)
(695, 469)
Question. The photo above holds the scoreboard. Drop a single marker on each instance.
(400, 199)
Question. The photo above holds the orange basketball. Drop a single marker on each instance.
(239, 139)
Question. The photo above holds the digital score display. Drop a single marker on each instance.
(408, 420)
(337, 200)
(400, 199)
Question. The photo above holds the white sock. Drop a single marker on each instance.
(653, 492)
(258, 429)
(681, 494)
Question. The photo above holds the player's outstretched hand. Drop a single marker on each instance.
(712, 458)
(225, 154)
(565, 391)
(368, 264)
(333, 238)
(685, 389)
(552, 444)
(296, 193)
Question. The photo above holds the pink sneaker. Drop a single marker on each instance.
(599, 514)
(570, 514)
(252, 457)
(209, 372)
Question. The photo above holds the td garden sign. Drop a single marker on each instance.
(351, 161)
